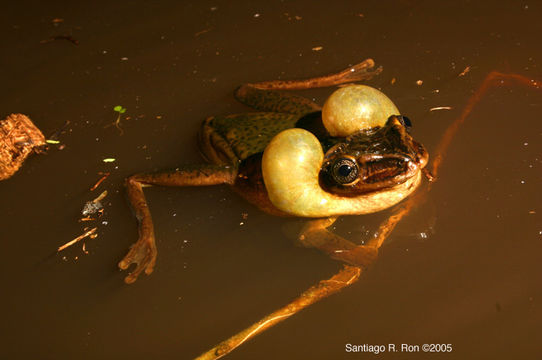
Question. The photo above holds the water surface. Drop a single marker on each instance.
(472, 279)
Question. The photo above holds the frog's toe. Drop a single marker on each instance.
(363, 71)
(143, 255)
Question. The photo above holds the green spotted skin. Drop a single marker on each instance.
(275, 101)
(233, 138)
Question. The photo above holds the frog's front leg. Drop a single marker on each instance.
(143, 252)
(316, 234)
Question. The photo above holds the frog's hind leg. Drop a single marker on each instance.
(493, 79)
(143, 252)
(264, 97)
(213, 144)
(315, 234)
(346, 277)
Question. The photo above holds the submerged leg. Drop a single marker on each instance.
(263, 95)
(346, 277)
(316, 234)
(493, 79)
(143, 252)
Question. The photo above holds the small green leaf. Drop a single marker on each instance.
(123, 110)
(52, 141)
(108, 160)
(118, 108)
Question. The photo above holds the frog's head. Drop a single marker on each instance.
(374, 164)
(373, 159)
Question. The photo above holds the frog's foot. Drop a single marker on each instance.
(143, 252)
(143, 255)
(363, 71)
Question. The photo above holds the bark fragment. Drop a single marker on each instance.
(18, 138)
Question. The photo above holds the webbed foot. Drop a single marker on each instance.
(363, 71)
(143, 255)
(143, 252)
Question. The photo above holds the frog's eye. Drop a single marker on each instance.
(405, 122)
(344, 171)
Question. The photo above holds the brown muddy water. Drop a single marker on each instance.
(463, 269)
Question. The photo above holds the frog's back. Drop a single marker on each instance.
(233, 138)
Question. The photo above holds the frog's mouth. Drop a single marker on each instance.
(291, 167)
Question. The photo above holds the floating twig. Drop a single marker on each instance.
(77, 239)
(441, 108)
(465, 71)
(105, 175)
(100, 197)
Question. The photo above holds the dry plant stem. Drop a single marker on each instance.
(347, 276)
(100, 197)
(99, 181)
(116, 123)
(77, 239)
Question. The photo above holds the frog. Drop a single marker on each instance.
(293, 157)
(353, 156)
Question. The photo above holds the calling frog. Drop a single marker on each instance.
(353, 156)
